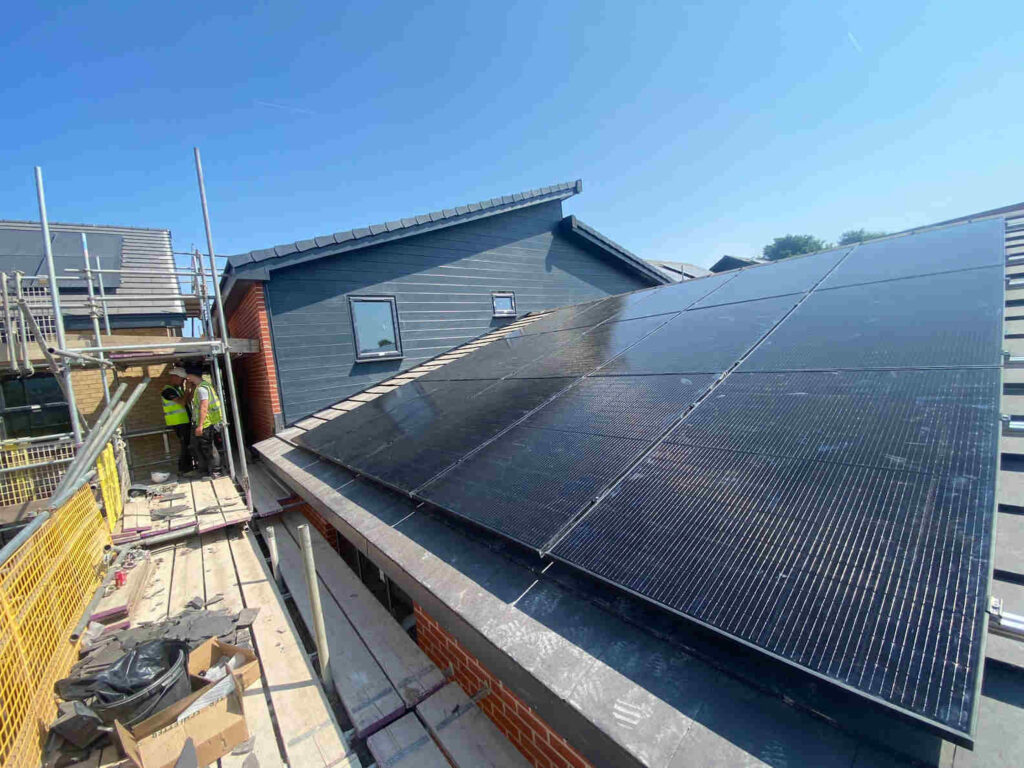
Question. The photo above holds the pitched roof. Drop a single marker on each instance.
(255, 264)
(362, 237)
(727, 263)
(143, 252)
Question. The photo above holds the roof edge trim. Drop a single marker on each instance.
(574, 226)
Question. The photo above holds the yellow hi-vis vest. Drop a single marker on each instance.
(213, 412)
(174, 410)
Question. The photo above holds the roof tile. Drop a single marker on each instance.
(361, 232)
(376, 229)
(341, 237)
(305, 245)
(284, 250)
(324, 240)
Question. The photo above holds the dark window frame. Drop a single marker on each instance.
(30, 409)
(370, 357)
(495, 312)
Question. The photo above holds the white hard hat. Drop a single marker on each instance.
(177, 371)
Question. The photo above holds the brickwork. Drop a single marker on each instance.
(147, 413)
(532, 736)
(256, 374)
(317, 521)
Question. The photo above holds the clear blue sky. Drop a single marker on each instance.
(698, 129)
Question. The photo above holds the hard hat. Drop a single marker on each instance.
(177, 371)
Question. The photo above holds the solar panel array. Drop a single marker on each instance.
(800, 455)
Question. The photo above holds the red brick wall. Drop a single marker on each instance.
(257, 373)
(532, 736)
(316, 520)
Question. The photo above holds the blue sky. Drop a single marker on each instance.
(698, 129)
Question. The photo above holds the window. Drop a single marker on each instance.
(33, 407)
(503, 303)
(375, 322)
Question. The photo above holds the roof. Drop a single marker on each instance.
(727, 263)
(679, 270)
(22, 249)
(142, 252)
(578, 628)
(256, 264)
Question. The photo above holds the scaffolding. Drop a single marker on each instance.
(32, 319)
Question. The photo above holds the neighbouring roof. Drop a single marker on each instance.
(678, 271)
(255, 265)
(141, 252)
(727, 263)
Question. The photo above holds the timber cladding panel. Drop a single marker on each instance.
(256, 374)
(442, 283)
(534, 738)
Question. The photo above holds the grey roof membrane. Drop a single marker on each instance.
(414, 225)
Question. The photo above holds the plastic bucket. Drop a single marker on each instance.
(173, 685)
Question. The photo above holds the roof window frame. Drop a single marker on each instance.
(372, 357)
(495, 312)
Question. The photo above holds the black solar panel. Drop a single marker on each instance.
(951, 319)
(941, 421)
(872, 578)
(797, 274)
(966, 246)
(673, 298)
(596, 347)
(829, 501)
(702, 340)
(528, 484)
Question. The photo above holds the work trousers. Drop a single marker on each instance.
(184, 433)
(205, 449)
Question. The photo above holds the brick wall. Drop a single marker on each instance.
(316, 520)
(532, 736)
(256, 374)
(146, 414)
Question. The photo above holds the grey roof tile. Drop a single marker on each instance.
(409, 222)
(436, 215)
(305, 245)
(462, 210)
(394, 226)
(376, 229)
(341, 237)
(361, 232)
(284, 250)
(324, 240)
(423, 218)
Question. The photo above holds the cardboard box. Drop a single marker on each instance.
(157, 741)
(212, 651)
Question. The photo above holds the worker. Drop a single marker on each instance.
(207, 418)
(176, 416)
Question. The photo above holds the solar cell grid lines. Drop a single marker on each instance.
(965, 246)
(673, 298)
(806, 560)
(949, 320)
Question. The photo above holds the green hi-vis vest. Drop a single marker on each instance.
(213, 413)
(174, 410)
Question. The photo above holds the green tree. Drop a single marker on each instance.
(851, 236)
(791, 245)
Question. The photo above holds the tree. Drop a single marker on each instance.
(851, 236)
(791, 245)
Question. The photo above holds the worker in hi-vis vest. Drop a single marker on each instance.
(207, 417)
(176, 416)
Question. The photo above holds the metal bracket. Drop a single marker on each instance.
(1009, 427)
(1003, 622)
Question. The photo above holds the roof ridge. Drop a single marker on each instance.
(82, 224)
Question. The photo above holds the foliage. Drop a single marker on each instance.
(791, 245)
(852, 236)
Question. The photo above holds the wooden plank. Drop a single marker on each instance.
(413, 675)
(220, 579)
(369, 698)
(119, 603)
(265, 491)
(205, 497)
(187, 581)
(405, 744)
(232, 505)
(310, 734)
(156, 597)
(467, 736)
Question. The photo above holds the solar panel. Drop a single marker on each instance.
(941, 420)
(702, 340)
(951, 319)
(966, 246)
(673, 298)
(530, 483)
(829, 501)
(594, 348)
(872, 578)
(797, 274)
